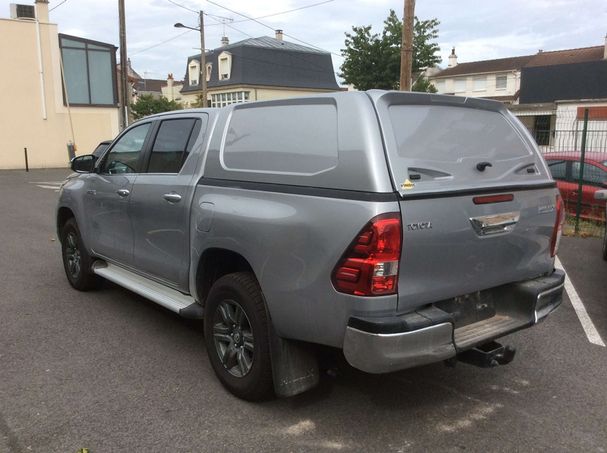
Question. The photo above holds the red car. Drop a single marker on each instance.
(565, 169)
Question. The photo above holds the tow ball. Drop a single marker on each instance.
(488, 355)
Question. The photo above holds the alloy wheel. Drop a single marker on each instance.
(233, 338)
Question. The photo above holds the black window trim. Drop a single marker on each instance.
(111, 49)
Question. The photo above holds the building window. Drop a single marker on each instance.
(480, 83)
(541, 130)
(193, 72)
(439, 85)
(225, 65)
(501, 82)
(460, 85)
(88, 67)
(223, 99)
(209, 71)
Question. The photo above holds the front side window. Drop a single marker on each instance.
(124, 155)
(89, 71)
(172, 145)
(558, 169)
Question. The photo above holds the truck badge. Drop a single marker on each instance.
(407, 185)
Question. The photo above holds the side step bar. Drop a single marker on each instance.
(169, 298)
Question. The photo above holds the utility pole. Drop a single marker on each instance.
(406, 49)
(124, 67)
(203, 63)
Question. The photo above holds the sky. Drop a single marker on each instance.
(479, 30)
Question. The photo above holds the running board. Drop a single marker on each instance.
(167, 297)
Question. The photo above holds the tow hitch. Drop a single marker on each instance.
(488, 355)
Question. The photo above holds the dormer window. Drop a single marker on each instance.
(194, 72)
(209, 71)
(225, 65)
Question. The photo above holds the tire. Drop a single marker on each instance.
(605, 244)
(237, 337)
(76, 260)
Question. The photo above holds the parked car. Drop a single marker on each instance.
(400, 228)
(565, 169)
(601, 195)
(101, 147)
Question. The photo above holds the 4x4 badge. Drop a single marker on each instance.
(407, 185)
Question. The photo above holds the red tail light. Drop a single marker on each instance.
(370, 265)
(558, 226)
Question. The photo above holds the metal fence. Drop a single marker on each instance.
(574, 144)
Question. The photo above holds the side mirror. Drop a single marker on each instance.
(83, 164)
(600, 195)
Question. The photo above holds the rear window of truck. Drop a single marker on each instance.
(445, 143)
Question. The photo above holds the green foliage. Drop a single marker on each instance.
(147, 104)
(373, 60)
(423, 85)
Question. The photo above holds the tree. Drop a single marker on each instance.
(424, 85)
(373, 60)
(148, 105)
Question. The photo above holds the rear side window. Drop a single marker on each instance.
(172, 145)
(285, 139)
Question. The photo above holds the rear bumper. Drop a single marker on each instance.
(382, 345)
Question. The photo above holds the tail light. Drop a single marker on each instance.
(369, 267)
(558, 226)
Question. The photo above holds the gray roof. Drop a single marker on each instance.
(268, 61)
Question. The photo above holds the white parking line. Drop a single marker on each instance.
(591, 333)
(42, 186)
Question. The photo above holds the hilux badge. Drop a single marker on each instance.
(407, 185)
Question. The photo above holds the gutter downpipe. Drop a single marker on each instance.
(41, 70)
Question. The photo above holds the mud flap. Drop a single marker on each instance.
(294, 366)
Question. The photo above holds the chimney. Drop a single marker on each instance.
(42, 10)
(452, 59)
(224, 41)
(279, 35)
(170, 86)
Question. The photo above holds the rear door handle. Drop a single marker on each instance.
(123, 192)
(172, 197)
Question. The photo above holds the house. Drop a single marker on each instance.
(547, 91)
(171, 89)
(257, 69)
(42, 111)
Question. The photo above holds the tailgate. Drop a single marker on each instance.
(453, 247)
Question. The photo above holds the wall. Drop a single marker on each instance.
(512, 85)
(22, 122)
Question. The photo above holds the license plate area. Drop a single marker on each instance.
(469, 308)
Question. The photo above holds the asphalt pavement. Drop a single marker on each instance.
(109, 371)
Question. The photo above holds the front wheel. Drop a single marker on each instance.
(76, 260)
(236, 336)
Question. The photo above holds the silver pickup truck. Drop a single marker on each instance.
(400, 228)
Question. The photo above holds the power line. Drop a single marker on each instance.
(182, 6)
(160, 43)
(268, 26)
(55, 7)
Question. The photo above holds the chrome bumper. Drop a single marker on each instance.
(383, 345)
(383, 353)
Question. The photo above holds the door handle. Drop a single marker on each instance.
(123, 192)
(91, 192)
(172, 197)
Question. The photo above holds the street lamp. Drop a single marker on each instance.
(202, 76)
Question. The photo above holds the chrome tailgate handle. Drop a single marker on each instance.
(496, 223)
(123, 192)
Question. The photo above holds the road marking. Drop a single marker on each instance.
(580, 310)
(42, 186)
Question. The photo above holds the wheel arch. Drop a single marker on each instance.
(63, 215)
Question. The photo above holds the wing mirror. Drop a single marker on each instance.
(83, 164)
(600, 195)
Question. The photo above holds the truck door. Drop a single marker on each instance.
(161, 199)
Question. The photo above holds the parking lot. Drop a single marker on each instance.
(110, 371)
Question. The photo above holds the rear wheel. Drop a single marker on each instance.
(236, 336)
(76, 260)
